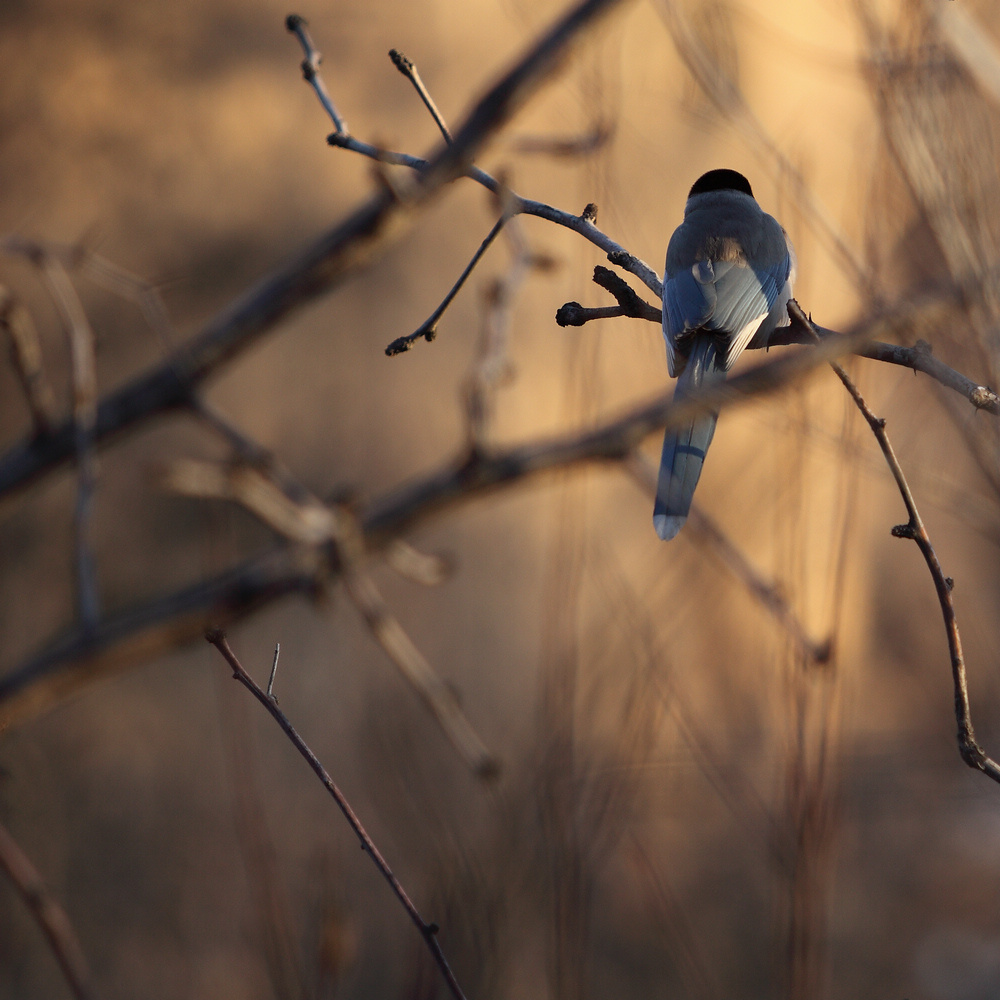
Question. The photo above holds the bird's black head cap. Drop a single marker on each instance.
(721, 180)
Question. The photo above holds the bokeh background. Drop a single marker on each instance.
(689, 807)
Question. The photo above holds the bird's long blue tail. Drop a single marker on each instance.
(684, 447)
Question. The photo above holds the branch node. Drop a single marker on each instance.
(399, 346)
(589, 214)
(433, 929)
(823, 652)
(949, 583)
(295, 21)
(570, 314)
(972, 753)
(984, 398)
(404, 65)
(619, 258)
(904, 531)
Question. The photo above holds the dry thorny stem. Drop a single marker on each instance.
(428, 931)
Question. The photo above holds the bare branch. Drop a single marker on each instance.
(770, 595)
(84, 368)
(26, 354)
(49, 915)
(971, 752)
(428, 329)
(139, 632)
(335, 536)
(317, 270)
(428, 931)
(919, 358)
(297, 25)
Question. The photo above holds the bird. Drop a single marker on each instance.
(726, 285)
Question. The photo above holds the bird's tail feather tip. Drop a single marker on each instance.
(667, 525)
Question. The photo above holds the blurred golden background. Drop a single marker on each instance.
(689, 804)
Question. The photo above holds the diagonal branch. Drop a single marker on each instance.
(49, 914)
(26, 353)
(428, 931)
(972, 753)
(135, 633)
(302, 518)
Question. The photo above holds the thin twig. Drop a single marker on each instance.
(26, 354)
(310, 69)
(49, 914)
(972, 753)
(274, 670)
(428, 931)
(428, 329)
(84, 369)
(406, 67)
(629, 303)
(304, 519)
(770, 595)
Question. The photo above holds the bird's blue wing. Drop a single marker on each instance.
(725, 297)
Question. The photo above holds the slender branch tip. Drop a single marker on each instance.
(404, 65)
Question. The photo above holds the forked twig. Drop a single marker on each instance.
(428, 931)
(583, 224)
(320, 266)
